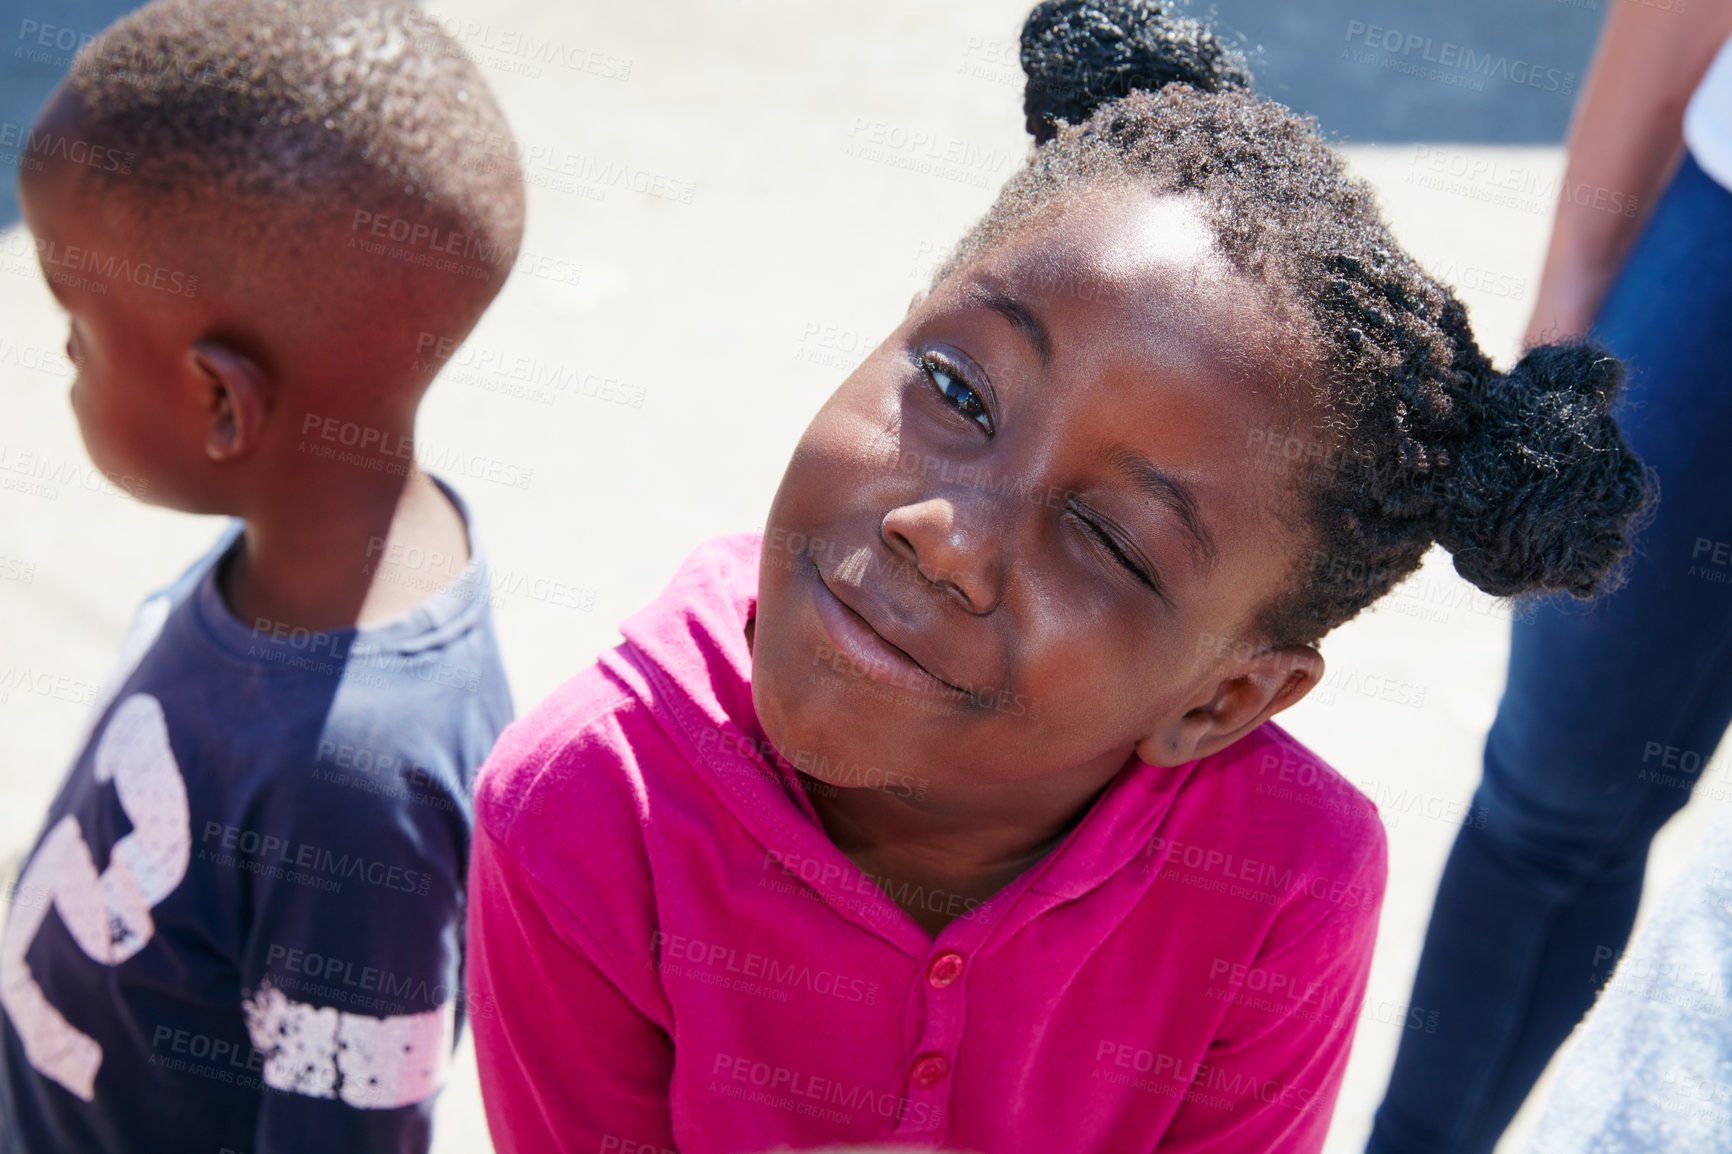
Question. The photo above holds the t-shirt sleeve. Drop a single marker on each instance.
(567, 1061)
(350, 971)
(1274, 1069)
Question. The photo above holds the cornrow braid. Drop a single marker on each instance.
(1524, 477)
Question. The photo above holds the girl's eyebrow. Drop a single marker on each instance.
(1155, 482)
(1017, 314)
(1148, 477)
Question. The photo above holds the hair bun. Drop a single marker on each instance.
(1545, 491)
(1080, 54)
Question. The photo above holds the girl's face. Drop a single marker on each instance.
(1028, 531)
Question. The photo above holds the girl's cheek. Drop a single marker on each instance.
(847, 448)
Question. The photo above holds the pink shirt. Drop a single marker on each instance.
(667, 953)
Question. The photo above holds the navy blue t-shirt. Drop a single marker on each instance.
(241, 928)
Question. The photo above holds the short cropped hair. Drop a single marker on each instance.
(316, 108)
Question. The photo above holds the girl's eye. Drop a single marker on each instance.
(1119, 554)
(957, 393)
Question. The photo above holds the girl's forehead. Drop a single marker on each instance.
(1126, 275)
(1122, 232)
(1132, 234)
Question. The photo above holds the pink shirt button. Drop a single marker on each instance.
(944, 970)
(928, 1070)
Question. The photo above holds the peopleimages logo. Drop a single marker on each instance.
(38, 146)
(65, 261)
(1490, 179)
(257, 852)
(1409, 51)
(789, 1089)
(673, 949)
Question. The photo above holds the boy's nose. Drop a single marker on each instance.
(954, 547)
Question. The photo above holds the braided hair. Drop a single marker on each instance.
(1414, 437)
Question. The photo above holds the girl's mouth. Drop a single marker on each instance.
(868, 653)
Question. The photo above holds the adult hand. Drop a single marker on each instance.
(1565, 305)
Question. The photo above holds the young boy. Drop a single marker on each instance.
(240, 929)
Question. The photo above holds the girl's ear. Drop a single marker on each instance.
(1248, 693)
(238, 397)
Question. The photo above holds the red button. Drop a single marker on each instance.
(944, 970)
(928, 1071)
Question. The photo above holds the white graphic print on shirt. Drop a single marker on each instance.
(321, 1052)
(108, 915)
(371, 1063)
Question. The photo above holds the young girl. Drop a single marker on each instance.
(947, 811)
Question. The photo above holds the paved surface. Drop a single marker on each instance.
(766, 253)
(1486, 71)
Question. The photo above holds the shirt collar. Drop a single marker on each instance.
(687, 650)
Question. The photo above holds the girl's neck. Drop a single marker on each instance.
(939, 858)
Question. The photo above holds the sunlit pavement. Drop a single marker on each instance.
(728, 208)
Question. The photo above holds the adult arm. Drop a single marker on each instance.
(1625, 139)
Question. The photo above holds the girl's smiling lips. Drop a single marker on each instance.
(866, 647)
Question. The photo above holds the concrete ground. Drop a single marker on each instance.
(729, 205)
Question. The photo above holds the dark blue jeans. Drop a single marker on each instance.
(1610, 718)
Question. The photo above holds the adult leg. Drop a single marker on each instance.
(1586, 759)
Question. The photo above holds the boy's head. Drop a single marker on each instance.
(254, 210)
(1044, 521)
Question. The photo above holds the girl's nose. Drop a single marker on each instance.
(953, 545)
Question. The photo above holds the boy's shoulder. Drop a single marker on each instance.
(265, 718)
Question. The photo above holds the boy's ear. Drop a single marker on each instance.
(239, 397)
(1250, 692)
